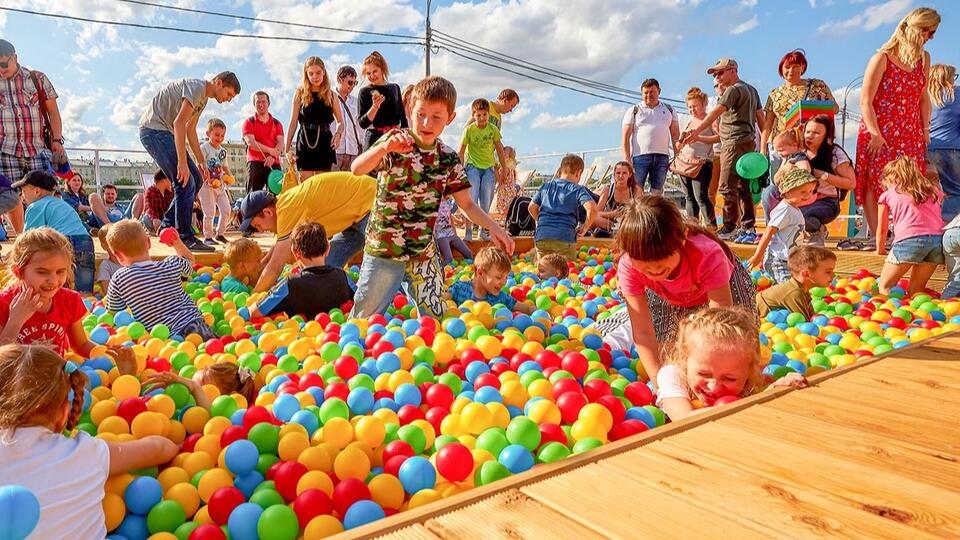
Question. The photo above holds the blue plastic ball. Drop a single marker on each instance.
(360, 400)
(242, 522)
(308, 420)
(361, 513)
(141, 494)
(285, 406)
(19, 512)
(417, 473)
(241, 457)
(133, 527)
(516, 458)
(407, 394)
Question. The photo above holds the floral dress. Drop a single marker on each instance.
(897, 105)
(507, 188)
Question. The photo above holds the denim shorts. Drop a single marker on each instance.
(917, 249)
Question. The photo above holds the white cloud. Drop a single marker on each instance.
(871, 18)
(600, 113)
(748, 3)
(160, 63)
(745, 26)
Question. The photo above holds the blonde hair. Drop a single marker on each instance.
(241, 250)
(39, 240)
(808, 258)
(509, 151)
(906, 43)
(215, 123)
(377, 59)
(940, 84)
(732, 326)
(434, 89)
(571, 164)
(231, 379)
(492, 258)
(303, 92)
(34, 386)
(695, 93)
(102, 237)
(128, 237)
(904, 174)
(787, 136)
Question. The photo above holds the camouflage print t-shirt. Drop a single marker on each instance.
(410, 186)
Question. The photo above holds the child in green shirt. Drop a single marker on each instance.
(477, 145)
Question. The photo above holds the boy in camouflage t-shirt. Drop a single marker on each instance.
(415, 171)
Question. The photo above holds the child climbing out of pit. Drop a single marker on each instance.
(243, 256)
(153, 290)
(552, 265)
(669, 269)
(914, 201)
(715, 359)
(415, 171)
(35, 409)
(491, 270)
(555, 206)
(228, 378)
(785, 225)
(109, 266)
(810, 266)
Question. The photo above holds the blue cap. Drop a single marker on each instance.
(251, 205)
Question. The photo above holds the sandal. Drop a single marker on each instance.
(850, 245)
(868, 245)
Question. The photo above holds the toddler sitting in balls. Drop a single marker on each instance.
(552, 265)
(491, 269)
(715, 360)
(152, 290)
(67, 474)
(227, 377)
(810, 267)
(243, 256)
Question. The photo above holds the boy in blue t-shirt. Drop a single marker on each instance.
(491, 269)
(45, 210)
(554, 208)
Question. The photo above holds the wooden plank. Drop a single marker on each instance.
(768, 505)
(946, 385)
(896, 498)
(507, 515)
(931, 404)
(620, 508)
(413, 532)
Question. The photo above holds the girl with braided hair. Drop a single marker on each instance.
(226, 377)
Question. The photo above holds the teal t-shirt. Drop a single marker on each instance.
(57, 214)
(480, 145)
(234, 285)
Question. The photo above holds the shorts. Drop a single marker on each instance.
(198, 326)
(9, 199)
(14, 168)
(777, 268)
(927, 248)
(567, 249)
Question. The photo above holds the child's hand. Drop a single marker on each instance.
(794, 380)
(503, 240)
(400, 141)
(125, 359)
(336, 140)
(25, 304)
(166, 378)
(755, 261)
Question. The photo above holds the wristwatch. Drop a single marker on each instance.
(60, 140)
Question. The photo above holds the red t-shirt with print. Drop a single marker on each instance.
(46, 328)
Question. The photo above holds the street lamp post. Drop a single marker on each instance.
(843, 110)
(429, 36)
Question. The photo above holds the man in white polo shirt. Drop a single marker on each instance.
(650, 130)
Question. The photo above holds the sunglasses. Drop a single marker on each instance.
(719, 72)
(352, 82)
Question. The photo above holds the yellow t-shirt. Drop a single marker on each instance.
(495, 117)
(336, 200)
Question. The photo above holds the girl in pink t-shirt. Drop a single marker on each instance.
(914, 202)
(669, 269)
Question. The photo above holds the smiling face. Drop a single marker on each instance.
(109, 196)
(265, 221)
(374, 74)
(481, 117)
(651, 95)
(429, 119)
(216, 136)
(491, 280)
(716, 369)
(45, 272)
(792, 71)
(75, 183)
(659, 270)
(261, 103)
(801, 195)
(507, 105)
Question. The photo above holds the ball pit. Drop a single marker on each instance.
(356, 420)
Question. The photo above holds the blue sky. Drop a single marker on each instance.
(106, 75)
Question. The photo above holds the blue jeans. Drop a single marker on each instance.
(947, 163)
(162, 148)
(347, 243)
(380, 279)
(483, 183)
(654, 167)
(84, 262)
(951, 255)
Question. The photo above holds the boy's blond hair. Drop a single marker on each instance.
(808, 258)
(492, 258)
(557, 262)
(571, 164)
(215, 123)
(241, 250)
(102, 237)
(788, 136)
(435, 89)
(128, 237)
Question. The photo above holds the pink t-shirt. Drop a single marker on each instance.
(911, 219)
(46, 328)
(704, 266)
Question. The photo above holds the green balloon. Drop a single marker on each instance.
(180, 393)
(819, 360)
(493, 440)
(586, 444)
(415, 437)
(421, 374)
(278, 522)
(183, 531)
(752, 165)
(267, 498)
(265, 437)
(525, 432)
(89, 428)
(354, 350)
(275, 181)
(552, 451)
(334, 408)
(361, 380)
(195, 479)
(223, 406)
(490, 471)
(165, 516)
(391, 435)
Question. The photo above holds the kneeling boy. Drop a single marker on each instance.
(243, 256)
(810, 267)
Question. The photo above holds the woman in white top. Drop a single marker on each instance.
(698, 154)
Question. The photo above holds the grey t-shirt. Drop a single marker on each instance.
(737, 122)
(165, 106)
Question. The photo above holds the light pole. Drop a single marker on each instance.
(843, 110)
(429, 39)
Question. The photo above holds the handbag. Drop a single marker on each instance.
(44, 114)
(688, 166)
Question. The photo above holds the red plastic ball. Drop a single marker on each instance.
(231, 434)
(486, 379)
(207, 532)
(440, 395)
(256, 415)
(723, 400)
(626, 429)
(311, 380)
(552, 433)
(576, 363)
(454, 462)
(286, 478)
(392, 465)
(347, 492)
(409, 413)
(596, 389)
(130, 408)
(639, 394)
(564, 385)
(346, 367)
(214, 346)
(615, 406)
(337, 389)
(397, 448)
(435, 416)
(222, 502)
(570, 404)
(310, 504)
(548, 359)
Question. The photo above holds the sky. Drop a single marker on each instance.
(106, 75)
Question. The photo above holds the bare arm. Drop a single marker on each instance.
(481, 218)
(644, 336)
(757, 258)
(146, 452)
(625, 142)
(883, 218)
(765, 131)
(712, 116)
(761, 118)
(524, 308)
(180, 249)
(498, 146)
(675, 132)
(926, 108)
(292, 126)
(720, 297)
(463, 150)
(592, 213)
(871, 83)
(534, 210)
(78, 339)
(279, 256)
(251, 140)
(677, 408)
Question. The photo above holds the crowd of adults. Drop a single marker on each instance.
(908, 106)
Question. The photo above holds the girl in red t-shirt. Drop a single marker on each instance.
(36, 309)
(669, 268)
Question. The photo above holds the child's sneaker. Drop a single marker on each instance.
(729, 236)
(222, 239)
(210, 242)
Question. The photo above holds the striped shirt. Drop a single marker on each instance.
(21, 122)
(154, 293)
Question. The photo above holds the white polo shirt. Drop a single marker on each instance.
(651, 128)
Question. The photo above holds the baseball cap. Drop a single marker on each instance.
(251, 205)
(722, 64)
(7, 48)
(38, 178)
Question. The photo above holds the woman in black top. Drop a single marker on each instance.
(313, 111)
(622, 190)
(380, 104)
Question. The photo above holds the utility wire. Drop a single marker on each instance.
(207, 32)
(273, 21)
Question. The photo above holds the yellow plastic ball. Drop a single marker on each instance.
(186, 495)
(322, 526)
(213, 480)
(351, 463)
(125, 387)
(315, 480)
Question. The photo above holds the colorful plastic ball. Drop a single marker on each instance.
(222, 503)
(19, 512)
(516, 458)
(362, 512)
(133, 526)
(347, 492)
(242, 523)
(310, 504)
(165, 516)
(552, 451)
(241, 457)
(206, 531)
(524, 432)
(278, 522)
(455, 462)
(142, 494)
(265, 437)
(417, 473)
(490, 471)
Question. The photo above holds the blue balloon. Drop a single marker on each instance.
(455, 327)
(407, 394)
(285, 406)
(133, 527)
(122, 318)
(388, 362)
(19, 512)
(361, 513)
(417, 473)
(248, 483)
(516, 458)
(360, 400)
(242, 522)
(308, 420)
(241, 457)
(142, 494)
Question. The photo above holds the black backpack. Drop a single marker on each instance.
(518, 221)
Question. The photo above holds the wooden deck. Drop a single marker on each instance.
(871, 451)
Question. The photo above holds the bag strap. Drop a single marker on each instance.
(44, 114)
(353, 123)
(809, 86)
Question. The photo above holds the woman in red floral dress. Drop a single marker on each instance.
(895, 108)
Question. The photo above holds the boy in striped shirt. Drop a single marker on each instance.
(153, 290)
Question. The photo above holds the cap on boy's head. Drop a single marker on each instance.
(794, 179)
(7, 48)
(723, 64)
(37, 178)
(251, 205)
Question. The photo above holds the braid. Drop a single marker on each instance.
(78, 383)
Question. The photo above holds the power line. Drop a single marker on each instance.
(206, 32)
(273, 21)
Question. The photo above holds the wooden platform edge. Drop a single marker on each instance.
(544, 472)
